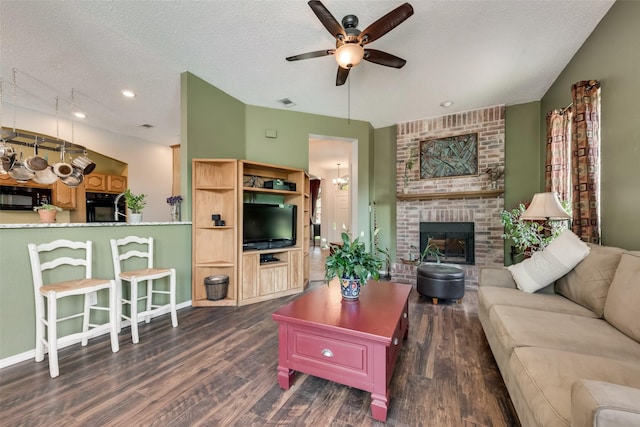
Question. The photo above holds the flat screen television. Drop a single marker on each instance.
(267, 226)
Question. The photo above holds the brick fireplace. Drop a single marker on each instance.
(466, 199)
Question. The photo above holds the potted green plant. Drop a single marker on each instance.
(352, 264)
(430, 250)
(529, 236)
(135, 203)
(47, 212)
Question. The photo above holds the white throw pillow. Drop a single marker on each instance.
(556, 260)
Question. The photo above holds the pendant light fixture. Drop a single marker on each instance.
(340, 181)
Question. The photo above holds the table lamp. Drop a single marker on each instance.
(545, 206)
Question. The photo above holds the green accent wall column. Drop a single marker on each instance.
(523, 155)
(212, 126)
(384, 186)
(523, 176)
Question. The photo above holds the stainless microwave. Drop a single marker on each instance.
(23, 198)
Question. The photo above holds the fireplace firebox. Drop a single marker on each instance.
(455, 240)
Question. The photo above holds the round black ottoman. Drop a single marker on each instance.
(440, 281)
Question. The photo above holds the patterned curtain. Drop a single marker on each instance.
(585, 174)
(558, 164)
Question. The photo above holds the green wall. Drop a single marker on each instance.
(212, 126)
(291, 147)
(522, 157)
(17, 306)
(216, 125)
(610, 55)
(384, 186)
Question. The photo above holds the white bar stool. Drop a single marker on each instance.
(53, 291)
(141, 247)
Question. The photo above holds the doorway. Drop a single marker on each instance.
(334, 161)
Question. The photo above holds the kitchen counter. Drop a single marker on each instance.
(89, 224)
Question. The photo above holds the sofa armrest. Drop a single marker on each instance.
(602, 404)
(496, 276)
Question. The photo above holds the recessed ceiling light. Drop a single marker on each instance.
(446, 104)
(128, 93)
(80, 114)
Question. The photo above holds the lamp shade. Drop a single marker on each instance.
(545, 206)
(349, 55)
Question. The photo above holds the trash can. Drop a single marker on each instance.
(217, 287)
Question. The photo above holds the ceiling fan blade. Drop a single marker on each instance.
(327, 19)
(308, 55)
(385, 24)
(342, 75)
(383, 58)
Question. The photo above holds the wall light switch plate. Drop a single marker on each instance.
(93, 298)
(271, 133)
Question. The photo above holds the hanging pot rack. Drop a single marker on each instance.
(29, 139)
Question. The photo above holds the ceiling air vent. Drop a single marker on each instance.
(286, 102)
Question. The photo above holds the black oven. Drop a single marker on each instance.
(23, 198)
(101, 207)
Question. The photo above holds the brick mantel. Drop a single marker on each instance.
(455, 199)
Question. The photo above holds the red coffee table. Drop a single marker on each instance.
(352, 343)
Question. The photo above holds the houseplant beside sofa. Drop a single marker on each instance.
(569, 353)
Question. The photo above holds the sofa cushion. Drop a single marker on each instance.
(545, 377)
(588, 283)
(623, 300)
(556, 260)
(525, 327)
(489, 296)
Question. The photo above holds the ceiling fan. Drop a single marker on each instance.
(349, 49)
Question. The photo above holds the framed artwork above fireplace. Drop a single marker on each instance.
(450, 156)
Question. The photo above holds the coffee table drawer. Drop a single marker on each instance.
(329, 354)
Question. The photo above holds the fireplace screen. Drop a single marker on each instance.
(454, 239)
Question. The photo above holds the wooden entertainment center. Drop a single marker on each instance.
(220, 187)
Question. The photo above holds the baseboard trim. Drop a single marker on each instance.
(31, 354)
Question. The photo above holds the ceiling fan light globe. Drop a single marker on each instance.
(349, 55)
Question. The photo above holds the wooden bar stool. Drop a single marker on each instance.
(41, 262)
(141, 247)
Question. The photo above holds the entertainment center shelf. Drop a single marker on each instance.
(220, 189)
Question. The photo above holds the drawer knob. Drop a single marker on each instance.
(404, 315)
(327, 353)
(395, 341)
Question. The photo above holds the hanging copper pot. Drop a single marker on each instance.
(7, 163)
(61, 168)
(74, 179)
(19, 172)
(84, 163)
(45, 176)
(35, 163)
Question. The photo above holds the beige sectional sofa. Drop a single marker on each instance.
(569, 353)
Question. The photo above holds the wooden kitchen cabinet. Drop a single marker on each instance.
(101, 183)
(95, 182)
(61, 195)
(64, 196)
(116, 183)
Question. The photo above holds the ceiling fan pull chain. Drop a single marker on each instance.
(349, 101)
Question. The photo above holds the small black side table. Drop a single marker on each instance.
(440, 281)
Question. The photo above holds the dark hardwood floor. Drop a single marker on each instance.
(218, 368)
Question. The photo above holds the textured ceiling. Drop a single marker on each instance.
(473, 52)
